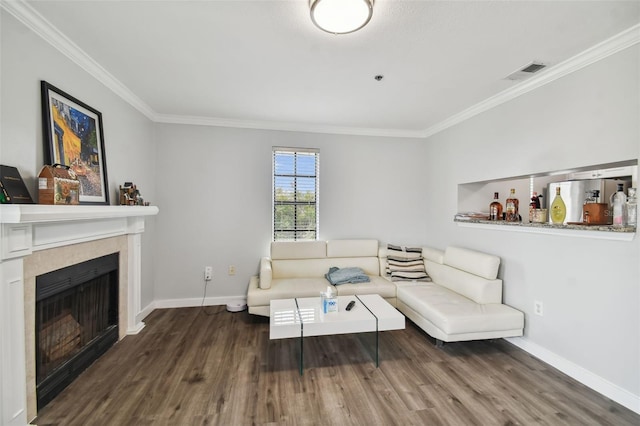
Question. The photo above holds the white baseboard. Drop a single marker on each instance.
(146, 311)
(188, 303)
(584, 376)
(139, 326)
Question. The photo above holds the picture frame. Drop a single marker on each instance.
(74, 137)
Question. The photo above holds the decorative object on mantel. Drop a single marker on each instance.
(58, 184)
(12, 187)
(73, 136)
(130, 195)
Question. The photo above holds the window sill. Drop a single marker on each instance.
(605, 232)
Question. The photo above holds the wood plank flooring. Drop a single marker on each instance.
(194, 366)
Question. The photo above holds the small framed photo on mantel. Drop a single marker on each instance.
(74, 137)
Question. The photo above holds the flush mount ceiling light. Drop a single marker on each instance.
(341, 16)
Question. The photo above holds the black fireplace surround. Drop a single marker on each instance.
(76, 321)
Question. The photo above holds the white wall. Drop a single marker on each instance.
(215, 201)
(130, 154)
(590, 288)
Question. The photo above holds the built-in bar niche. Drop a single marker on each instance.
(474, 199)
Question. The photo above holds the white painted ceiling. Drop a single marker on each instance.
(263, 63)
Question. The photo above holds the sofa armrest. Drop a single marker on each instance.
(266, 273)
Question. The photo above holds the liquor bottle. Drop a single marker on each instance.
(632, 207)
(533, 205)
(495, 208)
(558, 209)
(618, 203)
(511, 207)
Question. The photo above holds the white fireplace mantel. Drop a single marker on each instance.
(40, 213)
(29, 228)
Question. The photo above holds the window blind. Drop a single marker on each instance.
(295, 194)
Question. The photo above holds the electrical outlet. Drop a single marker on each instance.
(208, 273)
(537, 307)
(232, 270)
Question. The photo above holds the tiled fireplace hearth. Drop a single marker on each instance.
(37, 239)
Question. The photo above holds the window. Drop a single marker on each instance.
(295, 194)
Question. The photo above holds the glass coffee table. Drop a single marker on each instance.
(303, 317)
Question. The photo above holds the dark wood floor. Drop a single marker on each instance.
(195, 367)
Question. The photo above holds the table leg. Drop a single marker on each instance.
(301, 353)
(377, 353)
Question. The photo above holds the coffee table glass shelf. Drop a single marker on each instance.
(303, 317)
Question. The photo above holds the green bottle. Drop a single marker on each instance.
(558, 209)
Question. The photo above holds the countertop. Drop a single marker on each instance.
(603, 228)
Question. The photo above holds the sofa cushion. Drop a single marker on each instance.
(434, 255)
(298, 249)
(409, 270)
(377, 285)
(471, 286)
(400, 252)
(287, 288)
(481, 264)
(352, 248)
(455, 314)
(305, 268)
(405, 264)
(408, 275)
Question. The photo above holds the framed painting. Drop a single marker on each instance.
(73, 136)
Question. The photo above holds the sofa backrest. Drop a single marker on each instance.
(467, 272)
(481, 264)
(352, 248)
(298, 249)
(304, 259)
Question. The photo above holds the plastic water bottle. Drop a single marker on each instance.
(618, 206)
(329, 301)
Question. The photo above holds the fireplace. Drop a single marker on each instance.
(36, 240)
(76, 321)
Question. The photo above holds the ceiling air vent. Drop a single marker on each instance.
(526, 71)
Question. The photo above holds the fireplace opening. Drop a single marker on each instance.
(76, 322)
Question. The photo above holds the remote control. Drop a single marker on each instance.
(350, 305)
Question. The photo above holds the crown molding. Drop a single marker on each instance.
(43, 28)
(49, 33)
(287, 127)
(613, 45)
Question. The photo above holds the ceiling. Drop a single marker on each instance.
(264, 64)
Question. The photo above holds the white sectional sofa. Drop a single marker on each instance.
(462, 302)
(297, 269)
